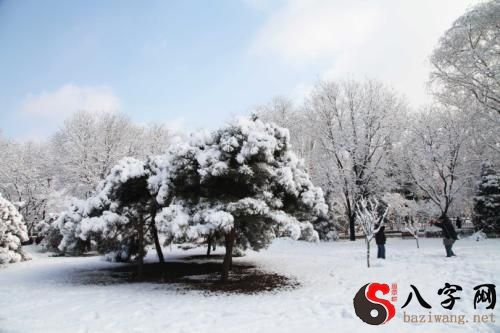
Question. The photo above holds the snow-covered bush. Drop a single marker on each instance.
(48, 233)
(12, 233)
(478, 236)
(114, 217)
(326, 227)
(68, 223)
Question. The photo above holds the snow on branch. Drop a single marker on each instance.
(368, 217)
(371, 220)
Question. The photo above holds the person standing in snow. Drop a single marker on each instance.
(449, 234)
(380, 240)
(458, 223)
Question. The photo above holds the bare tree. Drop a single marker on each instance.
(26, 179)
(437, 157)
(283, 112)
(74, 148)
(88, 145)
(356, 125)
(467, 58)
(41, 177)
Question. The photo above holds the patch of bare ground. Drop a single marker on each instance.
(192, 273)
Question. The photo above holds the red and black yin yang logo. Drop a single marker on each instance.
(372, 309)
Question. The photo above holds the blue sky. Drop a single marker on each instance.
(197, 63)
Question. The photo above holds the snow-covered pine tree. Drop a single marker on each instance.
(487, 200)
(12, 233)
(241, 183)
(119, 217)
(252, 188)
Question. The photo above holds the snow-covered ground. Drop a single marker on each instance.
(40, 296)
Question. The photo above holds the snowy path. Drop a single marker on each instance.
(39, 296)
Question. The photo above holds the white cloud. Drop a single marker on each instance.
(388, 39)
(309, 30)
(70, 98)
(41, 114)
(261, 5)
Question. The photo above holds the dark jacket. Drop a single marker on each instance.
(380, 236)
(448, 229)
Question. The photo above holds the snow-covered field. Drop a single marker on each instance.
(40, 296)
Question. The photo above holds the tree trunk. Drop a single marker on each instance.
(88, 244)
(156, 239)
(140, 251)
(231, 259)
(352, 229)
(159, 251)
(228, 257)
(209, 247)
(368, 253)
(418, 246)
(351, 216)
